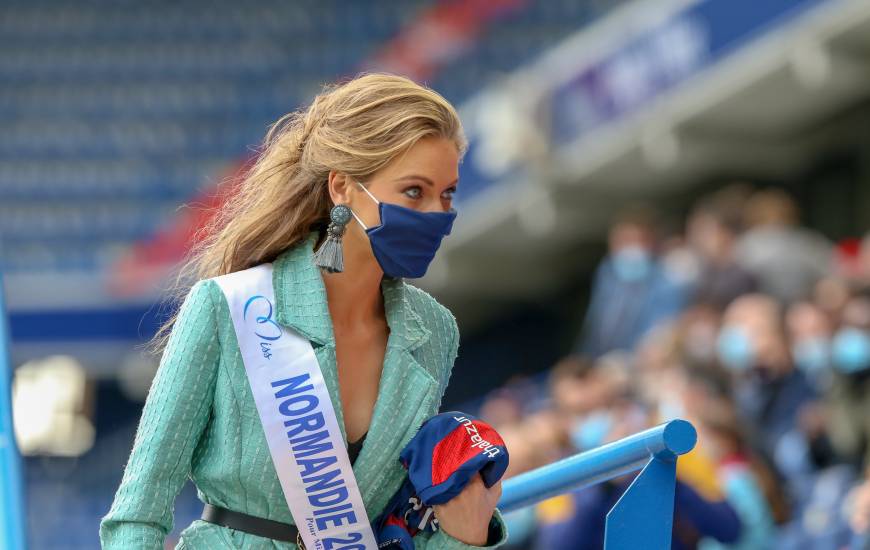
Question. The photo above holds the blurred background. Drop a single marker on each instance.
(664, 212)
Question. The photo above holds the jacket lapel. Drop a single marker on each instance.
(407, 391)
(300, 296)
(406, 394)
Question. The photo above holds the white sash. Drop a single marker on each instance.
(297, 415)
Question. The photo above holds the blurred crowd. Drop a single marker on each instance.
(749, 325)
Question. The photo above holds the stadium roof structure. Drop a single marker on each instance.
(655, 98)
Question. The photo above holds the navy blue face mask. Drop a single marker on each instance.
(405, 242)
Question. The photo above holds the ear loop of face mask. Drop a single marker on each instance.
(369, 193)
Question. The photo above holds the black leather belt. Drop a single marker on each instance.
(254, 525)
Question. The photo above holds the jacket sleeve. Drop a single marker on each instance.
(440, 540)
(175, 414)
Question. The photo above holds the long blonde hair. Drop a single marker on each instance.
(356, 127)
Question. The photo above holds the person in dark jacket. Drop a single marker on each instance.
(631, 292)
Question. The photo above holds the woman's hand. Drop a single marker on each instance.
(466, 516)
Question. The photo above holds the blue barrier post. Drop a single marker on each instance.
(11, 502)
(643, 516)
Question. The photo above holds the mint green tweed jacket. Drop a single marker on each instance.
(200, 420)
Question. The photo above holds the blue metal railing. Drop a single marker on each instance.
(11, 502)
(643, 516)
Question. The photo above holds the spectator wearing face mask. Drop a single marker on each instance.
(810, 332)
(631, 292)
(770, 392)
(849, 398)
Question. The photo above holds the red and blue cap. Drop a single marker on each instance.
(447, 451)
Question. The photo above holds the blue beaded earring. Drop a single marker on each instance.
(329, 256)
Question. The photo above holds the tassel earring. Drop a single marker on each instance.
(329, 257)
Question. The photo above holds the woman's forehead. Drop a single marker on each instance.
(434, 160)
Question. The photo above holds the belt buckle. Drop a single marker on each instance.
(299, 542)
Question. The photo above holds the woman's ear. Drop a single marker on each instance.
(339, 187)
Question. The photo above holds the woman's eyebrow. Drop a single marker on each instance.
(424, 179)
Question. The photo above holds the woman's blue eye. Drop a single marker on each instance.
(448, 193)
(413, 192)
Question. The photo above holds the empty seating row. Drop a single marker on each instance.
(62, 21)
(63, 180)
(133, 138)
(203, 97)
(83, 219)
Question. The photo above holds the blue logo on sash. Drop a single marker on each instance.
(263, 319)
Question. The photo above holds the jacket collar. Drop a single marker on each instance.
(300, 300)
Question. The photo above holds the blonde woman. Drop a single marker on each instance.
(388, 150)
